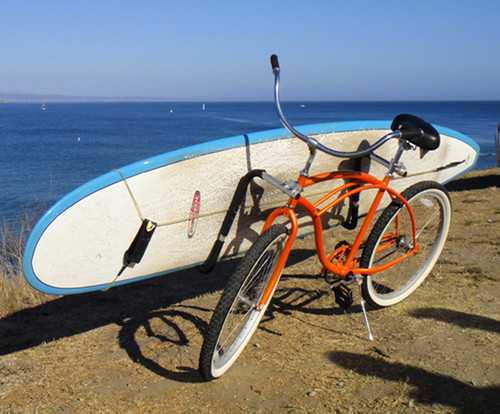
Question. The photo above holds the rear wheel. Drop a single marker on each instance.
(236, 316)
(392, 237)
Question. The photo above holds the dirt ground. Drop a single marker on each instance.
(135, 348)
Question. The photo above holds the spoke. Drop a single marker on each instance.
(220, 346)
(256, 272)
(263, 266)
(380, 288)
(427, 222)
(253, 283)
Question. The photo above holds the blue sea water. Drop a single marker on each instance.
(46, 154)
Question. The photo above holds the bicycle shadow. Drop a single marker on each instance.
(172, 337)
(431, 388)
(179, 331)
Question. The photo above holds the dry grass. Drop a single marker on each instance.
(15, 293)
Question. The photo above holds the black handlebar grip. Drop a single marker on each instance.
(274, 62)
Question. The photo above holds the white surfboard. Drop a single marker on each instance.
(79, 244)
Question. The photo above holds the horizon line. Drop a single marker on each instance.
(69, 99)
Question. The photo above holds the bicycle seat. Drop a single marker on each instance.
(428, 141)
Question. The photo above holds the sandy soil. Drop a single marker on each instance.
(135, 348)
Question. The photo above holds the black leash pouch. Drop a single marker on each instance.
(136, 250)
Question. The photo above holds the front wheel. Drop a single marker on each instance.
(236, 316)
(392, 237)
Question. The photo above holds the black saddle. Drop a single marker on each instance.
(429, 138)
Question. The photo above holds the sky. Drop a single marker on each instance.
(219, 50)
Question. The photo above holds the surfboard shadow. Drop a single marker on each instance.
(75, 314)
(474, 183)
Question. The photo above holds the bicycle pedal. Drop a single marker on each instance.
(343, 296)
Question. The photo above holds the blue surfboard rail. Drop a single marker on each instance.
(173, 157)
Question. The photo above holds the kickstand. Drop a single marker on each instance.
(370, 336)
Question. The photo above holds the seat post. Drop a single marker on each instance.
(394, 165)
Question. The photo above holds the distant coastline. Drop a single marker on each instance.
(34, 98)
(7, 98)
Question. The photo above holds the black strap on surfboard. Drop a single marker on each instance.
(137, 248)
(351, 222)
(234, 207)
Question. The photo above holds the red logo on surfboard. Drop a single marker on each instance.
(195, 211)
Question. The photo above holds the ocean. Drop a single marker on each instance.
(45, 154)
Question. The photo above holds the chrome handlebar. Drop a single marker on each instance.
(311, 142)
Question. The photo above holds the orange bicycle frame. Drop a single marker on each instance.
(356, 182)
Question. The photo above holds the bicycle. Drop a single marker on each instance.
(388, 265)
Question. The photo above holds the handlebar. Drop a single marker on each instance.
(314, 144)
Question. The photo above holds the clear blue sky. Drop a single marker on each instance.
(219, 50)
